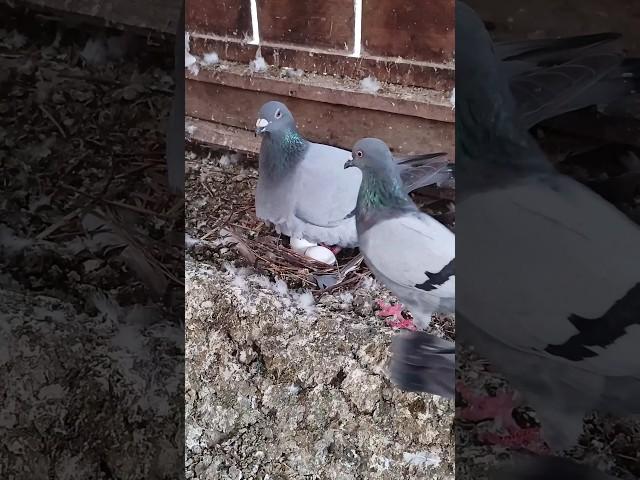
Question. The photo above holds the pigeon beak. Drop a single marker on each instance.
(349, 163)
(261, 125)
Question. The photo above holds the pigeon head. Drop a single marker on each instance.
(488, 130)
(274, 116)
(478, 59)
(371, 154)
(381, 182)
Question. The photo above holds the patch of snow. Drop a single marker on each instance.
(422, 458)
(305, 301)
(380, 463)
(293, 72)
(15, 40)
(107, 306)
(229, 160)
(193, 66)
(280, 286)
(346, 297)
(259, 64)
(189, 241)
(370, 85)
(210, 58)
(190, 61)
(190, 129)
(94, 51)
(370, 283)
(261, 280)
(293, 389)
(10, 242)
(192, 436)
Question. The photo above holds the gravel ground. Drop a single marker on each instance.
(91, 363)
(284, 382)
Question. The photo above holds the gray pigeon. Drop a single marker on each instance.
(303, 188)
(551, 290)
(412, 254)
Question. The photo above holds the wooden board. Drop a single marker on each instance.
(432, 76)
(216, 134)
(219, 17)
(157, 15)
(326, 23)
(337, 125)
(331, 92)
(411, 29)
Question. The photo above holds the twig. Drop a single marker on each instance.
(208, 189)
(55, 122)
(115, 203)
(136, 209)
(52, 228)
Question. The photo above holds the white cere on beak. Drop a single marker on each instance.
(261, 122)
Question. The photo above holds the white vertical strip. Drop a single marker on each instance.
(357, 31)
(254, 23)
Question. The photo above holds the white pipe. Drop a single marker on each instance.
(357, 30)
(254, 23)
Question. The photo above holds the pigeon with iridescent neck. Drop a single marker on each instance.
(412, 254)
(304, 191)
(552, 286)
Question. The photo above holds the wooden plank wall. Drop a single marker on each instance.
(411, 29)
(224, 17)
(409, 42)
(325, 24)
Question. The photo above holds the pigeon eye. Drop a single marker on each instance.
(359, 153)
(278, 114)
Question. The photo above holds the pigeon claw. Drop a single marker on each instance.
(336, 249)
(397, 321)
(500, 408)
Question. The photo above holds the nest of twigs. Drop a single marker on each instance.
(270, 254)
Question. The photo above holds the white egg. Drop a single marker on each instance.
(299, 245)
(321, 254)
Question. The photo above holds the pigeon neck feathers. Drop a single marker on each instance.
(281, 151)
(381, 192)
(495, 149)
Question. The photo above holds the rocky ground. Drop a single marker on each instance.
(91, 295)
(284, 381)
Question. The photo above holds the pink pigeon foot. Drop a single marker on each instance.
(398, 321)
(500, 408)
(335, 249)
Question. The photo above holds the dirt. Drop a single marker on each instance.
(282, 382)
(91, 366)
